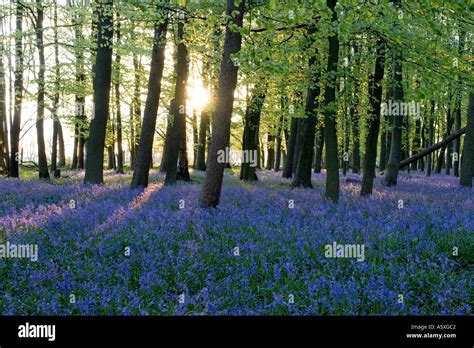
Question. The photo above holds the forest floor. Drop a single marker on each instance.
(111, 250)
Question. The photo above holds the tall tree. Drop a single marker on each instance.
(178, 112)
(375, 100)
(118, 110)
(3, 116)
(103, 75)
(251, 127)
(225, 100)
(391, 174)
(308, 124)
(467, 165)
(145, 148)
(330, 135)
(18, 89)
(42, 160)
(290, 158)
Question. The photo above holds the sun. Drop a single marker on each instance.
(198, 96)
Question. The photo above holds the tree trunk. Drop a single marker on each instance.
(118, 59)
(195, 138)
(280, 126)
(56, 124)
(201, 150)
(18, 88)
(373, 122)
(95, 144)
(467, 168)
(270, 151)
(42, 160)
(225, 99)
(178, 111)
(305, 157)
(330, 134)
(430, 138)
(288, 167)
(3, 117)
(135, 123)
(250, 137)
(145, 149)
(391, 175)
(318, 158)
(447, 140)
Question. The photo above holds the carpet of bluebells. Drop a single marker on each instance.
(175, 247)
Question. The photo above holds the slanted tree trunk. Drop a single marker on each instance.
(447, 140)
(18, 88)
(211, 191)
(391, 174)
(145, 149)
(467, 168)
(373, 122)
(330, 133)
(103, 64)
(250, 137)
(178, 111)
(42, 160)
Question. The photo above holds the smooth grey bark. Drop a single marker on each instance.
(211, 191)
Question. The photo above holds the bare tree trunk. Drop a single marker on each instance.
(178, 111)
(251, 127)
(391, 174)
(96, 142)
(467, 169)
(18, 88)
(118, 59)
(3, 117)
(145, 149)
(375, 100)
(42, 160)
(330, 135)
(225, 99)
(308, 124)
